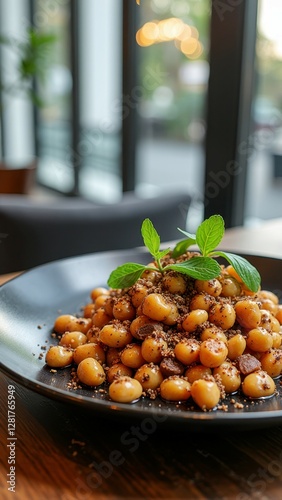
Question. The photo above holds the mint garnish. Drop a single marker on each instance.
(204, 267)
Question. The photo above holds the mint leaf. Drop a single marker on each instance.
(162, 253)
(150, 237)
(189, 235)
(200, 268)
(125, 275)
(248, 273)
(181, 247)
(209, 234)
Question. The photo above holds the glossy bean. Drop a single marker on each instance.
(89, 350)
(258, 385)
(59, 356)
(90, 372)
(175, 389)
(73, 339)
(205, 393)
(125, 390)
(150, 376)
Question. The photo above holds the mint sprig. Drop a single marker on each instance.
(204, 267)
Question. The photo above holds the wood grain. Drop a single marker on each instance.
(67, 453)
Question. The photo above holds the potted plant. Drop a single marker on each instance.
(32, 65)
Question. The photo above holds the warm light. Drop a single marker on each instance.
(150, 31)
(142, 40)
(185, 37)
(185, 33)
(189, 46)
(194, 32)
(173, 27)
(198, 52)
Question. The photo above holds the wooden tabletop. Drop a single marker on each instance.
(67, 453)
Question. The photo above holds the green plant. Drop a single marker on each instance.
(204, 267)
(32, 55)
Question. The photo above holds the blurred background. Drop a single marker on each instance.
(169, 95)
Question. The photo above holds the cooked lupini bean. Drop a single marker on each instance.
(230, 287)
(156, 307)
(96, 292)
(197, 372)
(229, 375)
(90, 372)
(213, 332)
(149, 376)
(258, 385)
(152, 349)
(187, 351)
(268, 321)
(267, 294)
(70, 323)
(174, 282)
(73, 339)
(205, 393)
(271, 362)
(175, 389)
(89, 350)
(194, 319)
(123, 309)
(212, 287)
(100, 318)
(118, 370)
(115, 335)
(222, 315)
(201, 301)
(213, 353)
(259, 339)
(125, 390)
(59, 356)
(236, 346)
(132, 356)
(248, 313)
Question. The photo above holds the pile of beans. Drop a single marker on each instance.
(174, 337)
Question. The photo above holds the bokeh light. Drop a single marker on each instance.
(185, 37)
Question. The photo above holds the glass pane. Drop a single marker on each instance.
(264, 186)
(100, 87)
(174, 44)
(15, 106)
(54, 120)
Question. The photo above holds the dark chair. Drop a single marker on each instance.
(35, 232)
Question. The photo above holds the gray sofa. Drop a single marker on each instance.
(35, 232)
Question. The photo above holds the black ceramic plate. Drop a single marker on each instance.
(29, 305)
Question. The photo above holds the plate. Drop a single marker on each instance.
(31, 302)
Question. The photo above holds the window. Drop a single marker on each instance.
(264, 182)
(173, 39)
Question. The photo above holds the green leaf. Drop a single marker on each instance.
(247, 272)
(201, 268)
(209, 234)
(181, 247)
(125, 275)
(189, 235)
(150, 237)
(162, 253)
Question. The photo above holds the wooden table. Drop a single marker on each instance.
(66, 453)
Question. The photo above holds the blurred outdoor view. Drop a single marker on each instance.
(170, 99)
(174, 71)
(264, 186)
